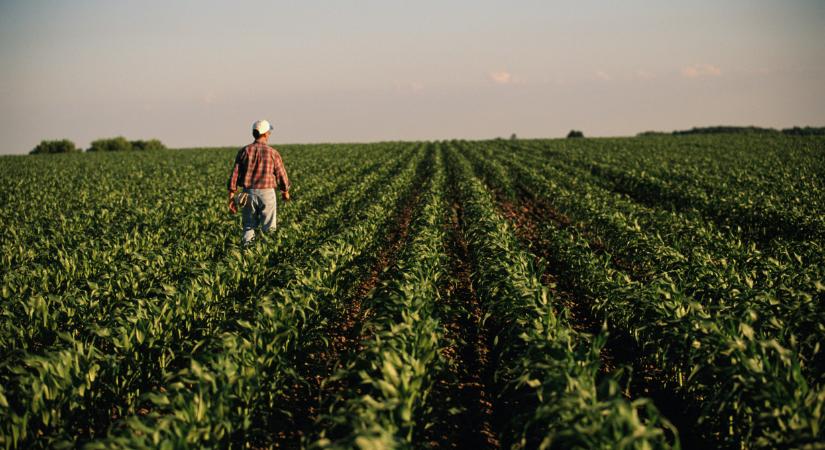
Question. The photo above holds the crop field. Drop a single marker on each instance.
(655, 292)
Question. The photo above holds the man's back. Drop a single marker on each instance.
(258, 169)
(258, 166)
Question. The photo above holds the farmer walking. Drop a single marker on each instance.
(258, 169)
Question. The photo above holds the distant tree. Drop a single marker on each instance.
(59, 146)
(151, 144)
(725, 129)
(652, 133)
(117, 144)
(806, 131)
(575, 134)
(513, 137)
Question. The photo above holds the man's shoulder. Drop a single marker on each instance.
(254, 147)
(260, 146)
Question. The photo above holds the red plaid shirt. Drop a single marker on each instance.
(258, 166)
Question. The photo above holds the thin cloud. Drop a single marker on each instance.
(502, 77)
(602, 75)
(701, 70)
(209, 98)
(644, 75)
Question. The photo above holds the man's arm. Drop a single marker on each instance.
(232, 184)
(280, 173)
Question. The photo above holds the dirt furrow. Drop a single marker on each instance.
(343, 332)
(463, 397)
(620, 351)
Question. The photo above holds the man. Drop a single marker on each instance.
(258, 169)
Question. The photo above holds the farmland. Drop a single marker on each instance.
(651, 292)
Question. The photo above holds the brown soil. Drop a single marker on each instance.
(525, 218)
(620, 350)
(532, 210)
(343, 333)
(462, 399)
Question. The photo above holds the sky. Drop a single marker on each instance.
(199, 73)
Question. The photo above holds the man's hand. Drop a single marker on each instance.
(233, 208)
(285, 195)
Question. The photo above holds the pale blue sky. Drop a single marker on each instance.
(198, 73)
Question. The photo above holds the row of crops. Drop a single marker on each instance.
(630, 293)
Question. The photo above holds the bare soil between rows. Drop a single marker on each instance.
(317, 365)
(620, 351)
(463, 397)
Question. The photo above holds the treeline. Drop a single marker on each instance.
(795, 131)
(116, 144)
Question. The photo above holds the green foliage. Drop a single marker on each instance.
(120, 144)
(396, 367)
(132, 318)
(546, 359)
(116, 144)
(575, 134)
(804, 131)
(652, 133)
(794, 131)
(152, 144)
(175, 306)
(59, 146)
(726, 312)
(725, 130)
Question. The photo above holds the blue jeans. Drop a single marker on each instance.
(261, 211)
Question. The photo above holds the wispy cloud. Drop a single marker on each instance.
(502, 77)
(208, 98)
(642, 74)
(701, 70)
(602, 75)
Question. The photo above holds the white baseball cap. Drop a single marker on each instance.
(262, 126)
